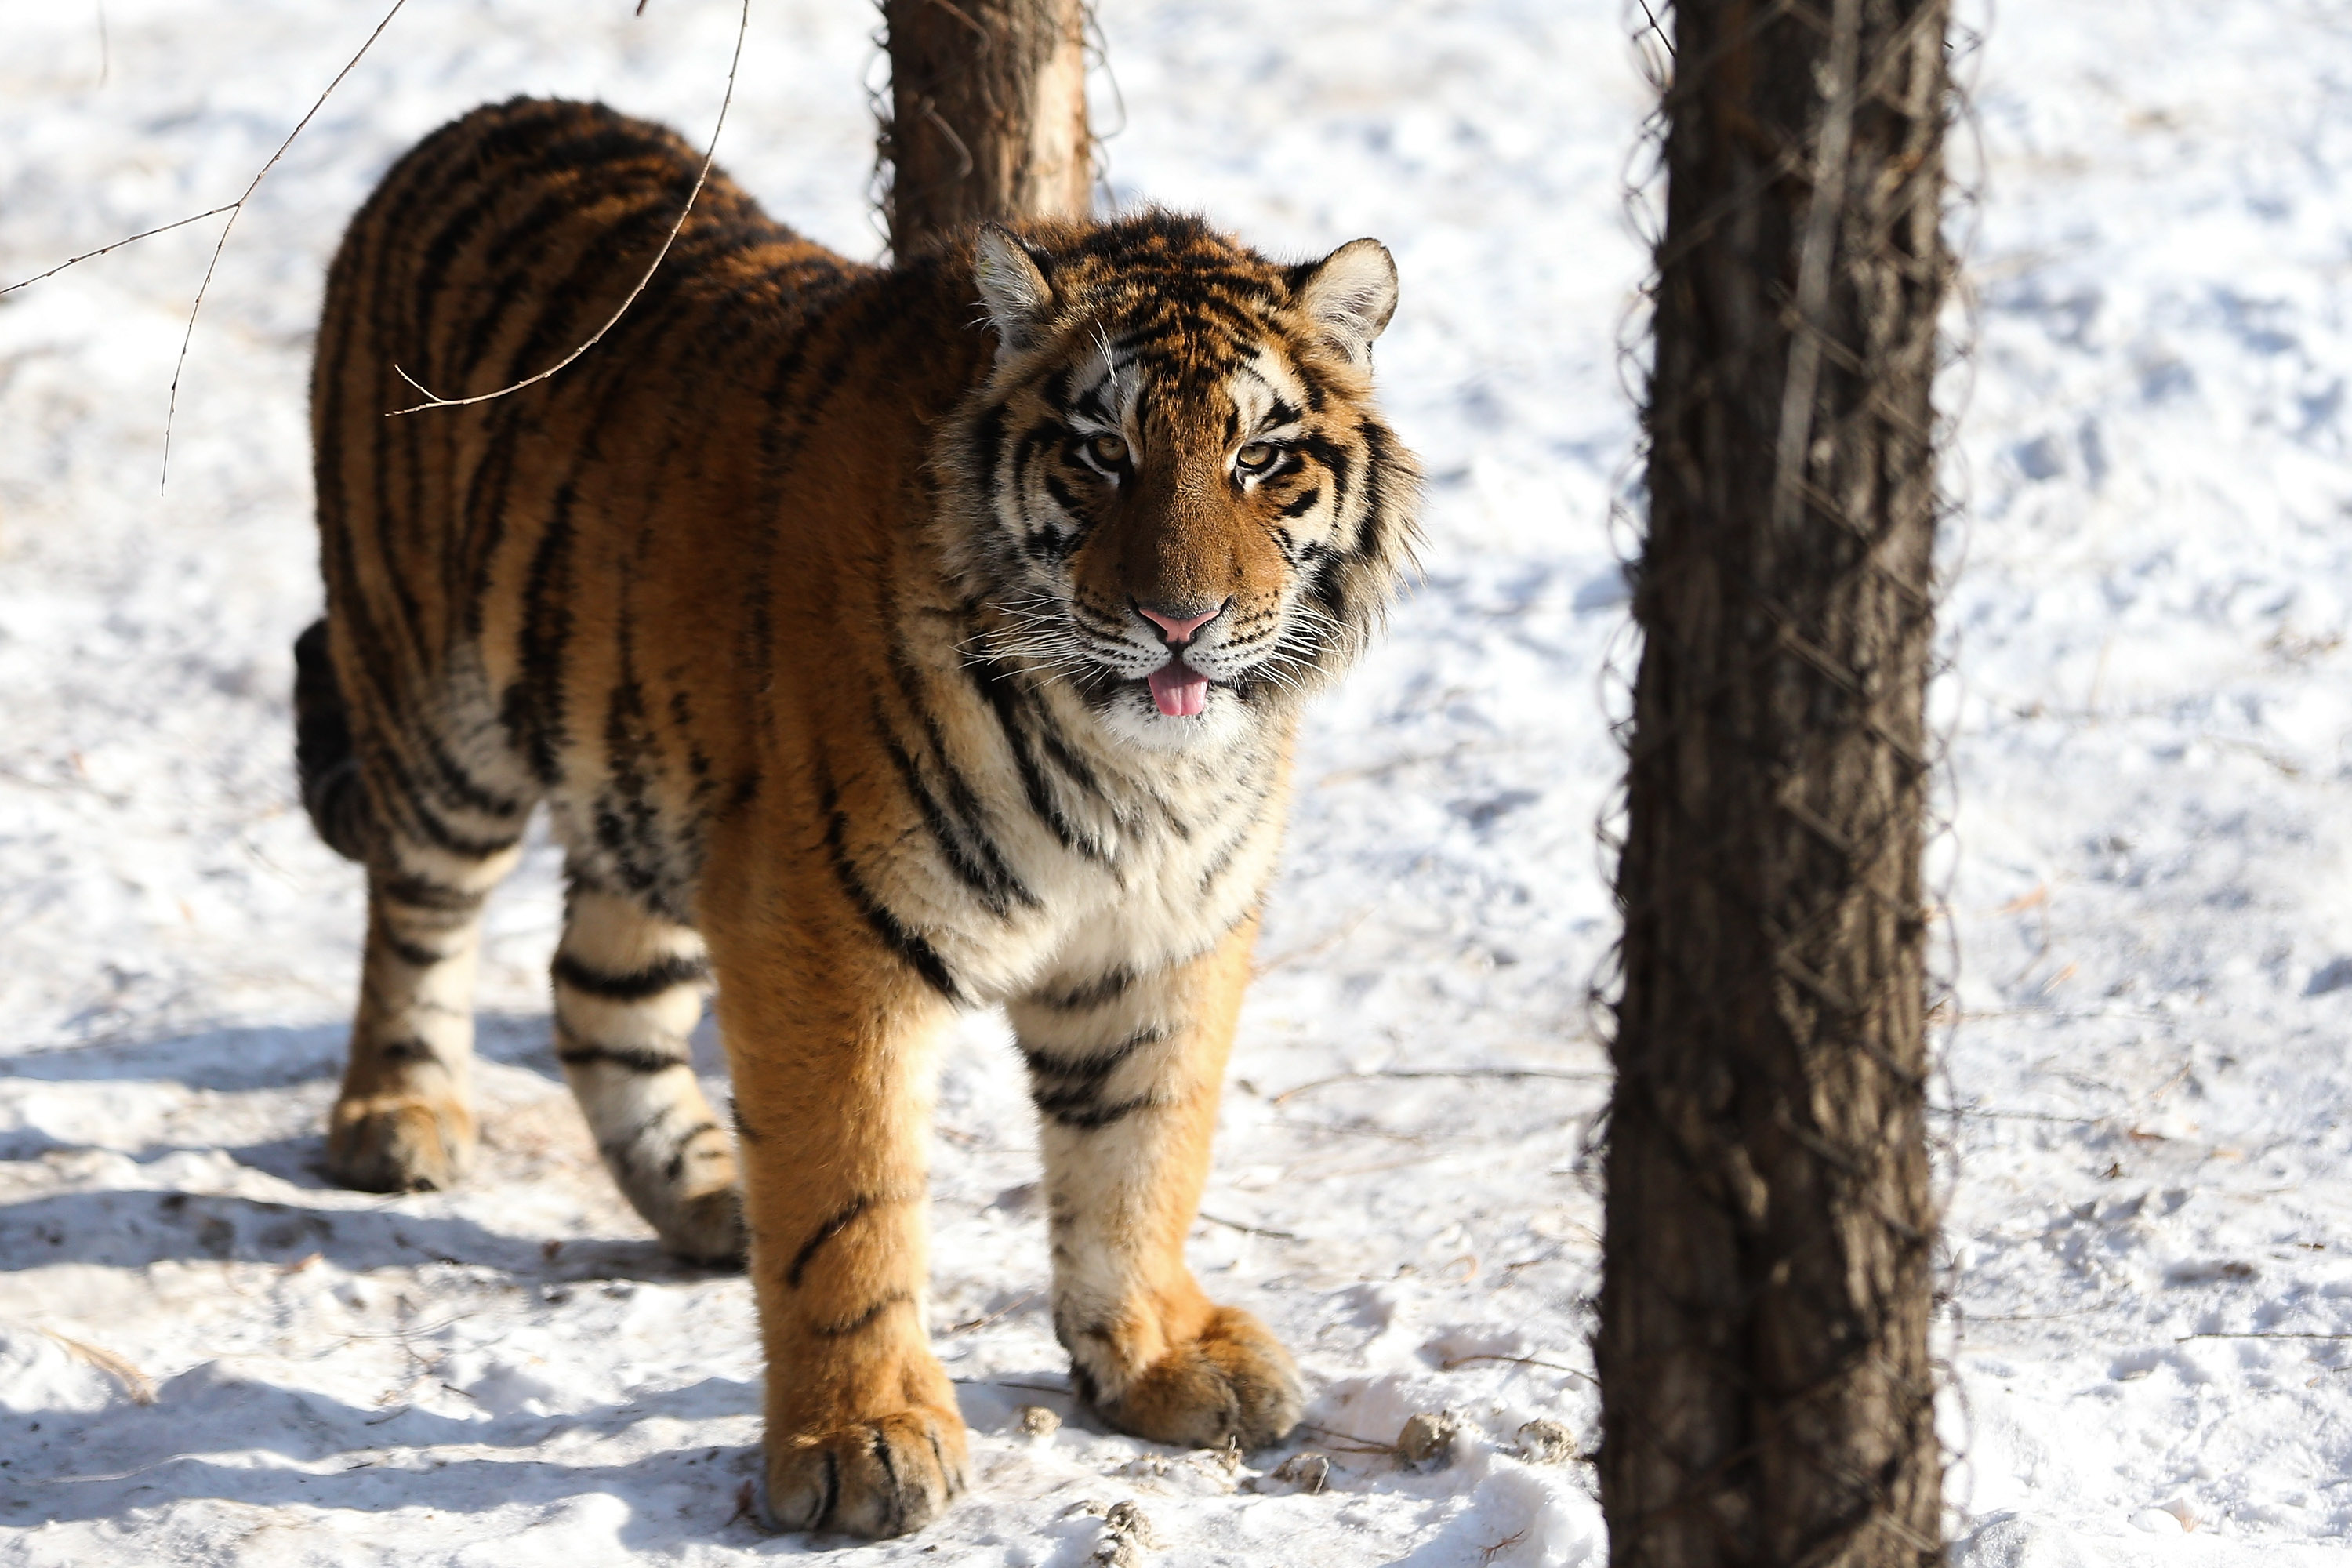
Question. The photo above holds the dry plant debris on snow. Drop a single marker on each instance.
(206, 1354)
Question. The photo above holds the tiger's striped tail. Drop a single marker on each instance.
(326, 766)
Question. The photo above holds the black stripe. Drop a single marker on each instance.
(896, 1496)
(408, 1048)
(1070, 1093)
(824, 1234)
(1004, 883)
(635, 1058)
(460, 788)
(1098, 1064)
(484, 514)
(987, 442)
(948, 1477)
(424, 823)
(533, 707)
(627, 823)
(994, 882)
(1334, 458)
(631, 986)
(421, 893)
(911, 949)
(414, 954)
(575, 304)
(832, 1490)
(1002, 688)
(1098, 1117)
(865, 1318)
(1223, 860)
(1092, 994)
(677, 1165)
(1370, 535)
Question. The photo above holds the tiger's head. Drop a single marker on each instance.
(1173, 491)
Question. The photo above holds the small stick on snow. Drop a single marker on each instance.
(1561, 1075)
(1451, 1363)
(1250, 1229)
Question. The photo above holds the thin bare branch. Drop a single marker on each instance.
(235, 210)
(127, 240)
(710, 153)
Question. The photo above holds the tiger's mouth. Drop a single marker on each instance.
(1178, 689)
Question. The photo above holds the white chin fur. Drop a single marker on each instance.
(1132, 716)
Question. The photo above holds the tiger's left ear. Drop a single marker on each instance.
(1012, 287)
(1350, 293)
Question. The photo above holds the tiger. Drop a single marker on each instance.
(882, 643)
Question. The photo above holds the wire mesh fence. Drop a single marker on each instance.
(1764, 1349)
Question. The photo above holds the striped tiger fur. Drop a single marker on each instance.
(882, 643)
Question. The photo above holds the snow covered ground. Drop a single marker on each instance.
(208, 1355)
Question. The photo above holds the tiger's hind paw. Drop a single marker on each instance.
(1234, 1384)
(400, 1143)
(706, 1229)
(883, 1477)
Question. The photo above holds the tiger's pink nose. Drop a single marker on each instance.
(1177, 628)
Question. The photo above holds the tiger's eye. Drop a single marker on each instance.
(1108, 450)
(1255, 457)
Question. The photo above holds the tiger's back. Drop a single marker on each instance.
(881, 642)
(503, 578)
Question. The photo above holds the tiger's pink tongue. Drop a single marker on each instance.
(1179, 692)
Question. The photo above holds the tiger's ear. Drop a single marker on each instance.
(1018, 298)
(1350, 293)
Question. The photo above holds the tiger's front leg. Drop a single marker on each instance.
(1126, 1072)
(831, 1044)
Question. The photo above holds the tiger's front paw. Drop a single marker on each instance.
(1234, 1383)
(880, 1476)
(399, 1143)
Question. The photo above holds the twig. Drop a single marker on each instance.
(1451, 1363)
(1354, 1445)
(1064, 1390)
(434, 400)
(1560, 1074)
(2257, 1334)
(1321, 944)
(1491, 1552)
(1249, 1229)
(130, 239)
(999, 1315)
(135, 1382)
(235, 210)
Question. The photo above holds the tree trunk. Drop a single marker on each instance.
(987, 115)
(1767, 1395)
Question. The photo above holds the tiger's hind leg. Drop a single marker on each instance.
(404, 1120)
(436, 841)
(628, 992)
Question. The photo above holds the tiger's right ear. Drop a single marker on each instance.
(1011, 286)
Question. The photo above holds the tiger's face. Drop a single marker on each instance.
(1187, 506)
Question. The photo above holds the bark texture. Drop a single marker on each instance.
(1767, 1389)
(987, 115)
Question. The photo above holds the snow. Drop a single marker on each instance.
(208, 1355)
